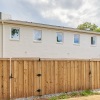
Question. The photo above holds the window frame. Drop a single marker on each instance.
(14, 39)
(62, 37)
(74, 40)
(36, 40)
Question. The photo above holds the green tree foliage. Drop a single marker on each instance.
(87, 26)
(97, 30)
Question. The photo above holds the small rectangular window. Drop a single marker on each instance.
(59, 37)
(76, 38)
(15, 34)
(37, 35)
(93, 40)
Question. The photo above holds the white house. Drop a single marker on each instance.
(28, 39)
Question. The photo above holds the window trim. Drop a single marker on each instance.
(14, 39)
(62, 38)
(37, 41)
(79, 40)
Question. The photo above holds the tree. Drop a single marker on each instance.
(97, 30)
(87, 26)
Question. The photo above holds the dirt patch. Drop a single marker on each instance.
(93, 97)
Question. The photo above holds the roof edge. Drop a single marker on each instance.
(47, 26)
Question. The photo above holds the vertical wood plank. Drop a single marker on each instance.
(52, 85)
(65, 77)
(16, 77)
(36, 79)
(6, 85)
(98, 74)
(95, 75)
(69, 76)
(21, 79)
(43, 85)
(72, 76)
(92, 76)
(26, 78)
(76, 77)
(12, 80)
(8, 80)
(30, 90)
(56, 77)
(1, 80)
(48, 78)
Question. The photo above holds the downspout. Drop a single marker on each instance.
(2, 39)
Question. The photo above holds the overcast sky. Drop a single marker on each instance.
(69, 13)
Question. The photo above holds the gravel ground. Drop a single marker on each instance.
(39, 97)
(51, 95)
(93, 97)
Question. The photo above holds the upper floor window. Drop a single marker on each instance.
(37, 35)
(59, 37)
(76, 39)
(93, 40)
(15, 34)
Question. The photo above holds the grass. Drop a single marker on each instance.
(53, 98)
(63, 96)
(86, 93)
(74, 94)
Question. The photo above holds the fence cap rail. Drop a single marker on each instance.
(97, 59)
(64, 59)
(25, 58)
(50, 59)
(4, 58)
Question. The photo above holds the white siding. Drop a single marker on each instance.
(0, 40)
(49, 48)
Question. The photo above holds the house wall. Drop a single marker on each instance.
(48, 48)
(0, 40)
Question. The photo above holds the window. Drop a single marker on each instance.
(15, 34)
(93, 40)
(59, 37)
(37, 35)
(76, 38)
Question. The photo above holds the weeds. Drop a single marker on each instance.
(53, 98)
(74, 94)
(63, 96)
(86, 93)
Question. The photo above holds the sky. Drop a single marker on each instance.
(68, 13)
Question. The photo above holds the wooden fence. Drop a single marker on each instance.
(33, 77)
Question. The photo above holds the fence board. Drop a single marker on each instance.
(56, 76)
(6, 82)
(1, 80)
(52, 78)
(30, 78)
(21, 79)
(36, 79)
